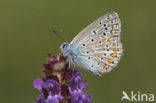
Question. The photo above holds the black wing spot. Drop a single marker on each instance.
(83, 45)
(92, 40)
(87, 52)
(100, 42)
(104, 34)
(94, 31)
(107, 68)
(104, 24)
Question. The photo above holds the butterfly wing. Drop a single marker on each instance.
(98, 45)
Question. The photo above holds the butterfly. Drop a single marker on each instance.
(97, 48)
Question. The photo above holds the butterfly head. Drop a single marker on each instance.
(64, 47)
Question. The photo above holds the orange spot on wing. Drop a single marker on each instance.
(110, 61)
(109, 40)
(104, 68)
(104, 36)
(114, 44)
(115, 50)
(113, 55)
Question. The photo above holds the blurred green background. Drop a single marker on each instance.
(26, 38)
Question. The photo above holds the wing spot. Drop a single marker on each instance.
(104, 24)
(88, 57)
(109, 40)
(106, 45)
(110, 61)
(104, 68)
(94, 31)
(107, 49)
(113, 32)
(92, 66)
(107, 67)
(98, 63)
(115, 50)
(103, 36)
(104, 33)
(100, 23)
(104, 54)
(101, 58)
(87, 52)
(113, 55)
(114, 44)
(83, 45)
(100, 42)
(106, 29)
(113, 27)
(92, 40)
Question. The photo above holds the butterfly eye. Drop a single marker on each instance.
(64, 45)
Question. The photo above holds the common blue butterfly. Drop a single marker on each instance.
(97, 48)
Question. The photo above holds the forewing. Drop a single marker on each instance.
(100, 23)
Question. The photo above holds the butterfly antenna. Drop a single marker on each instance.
(60, 35)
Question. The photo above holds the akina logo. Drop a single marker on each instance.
(137, 96)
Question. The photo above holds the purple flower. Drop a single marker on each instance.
(51, 87)
(52, 99)
(38, 84)
(76, 87)
(51, 91)
(40, 99)
(61, 84)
